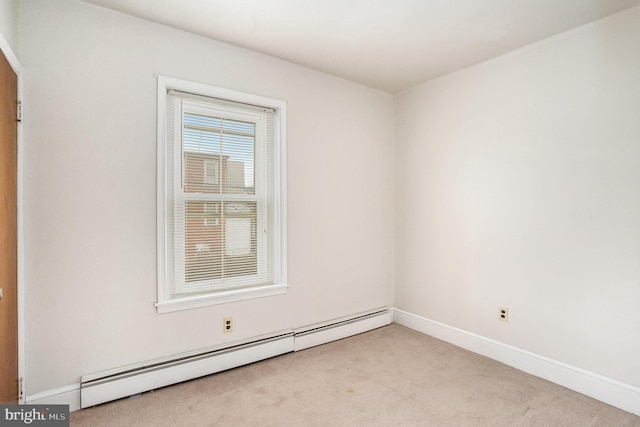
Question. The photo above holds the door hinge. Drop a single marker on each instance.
(19, 111)
(21, 390)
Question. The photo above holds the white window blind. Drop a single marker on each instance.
(219, 232)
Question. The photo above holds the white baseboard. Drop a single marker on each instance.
(69, 395)
(312, 336)
(610, 391)
(607, 390)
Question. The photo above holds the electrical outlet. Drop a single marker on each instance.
(227, 324)
(503, 314)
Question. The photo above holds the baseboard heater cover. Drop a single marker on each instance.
(341, 328)
(119, 383)
(101, 390)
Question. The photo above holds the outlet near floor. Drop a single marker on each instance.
(503, 314)
(227, 324)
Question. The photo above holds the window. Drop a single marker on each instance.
(212, 217)
(211, 172)
(221, 196)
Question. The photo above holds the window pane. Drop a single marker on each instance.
(220, 240)
(218, 155)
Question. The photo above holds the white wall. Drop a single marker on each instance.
(90, 186)
(9, 23)
(518, 184)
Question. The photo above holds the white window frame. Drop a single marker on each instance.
(168, 302)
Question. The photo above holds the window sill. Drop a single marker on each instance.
(222, 297)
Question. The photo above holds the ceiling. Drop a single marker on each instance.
(390, 45)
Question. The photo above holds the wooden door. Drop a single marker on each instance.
(8, 233)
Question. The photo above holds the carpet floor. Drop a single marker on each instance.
(392, 376)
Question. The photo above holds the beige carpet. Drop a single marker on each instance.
(391, 376)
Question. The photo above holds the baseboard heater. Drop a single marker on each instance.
(123, 382)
